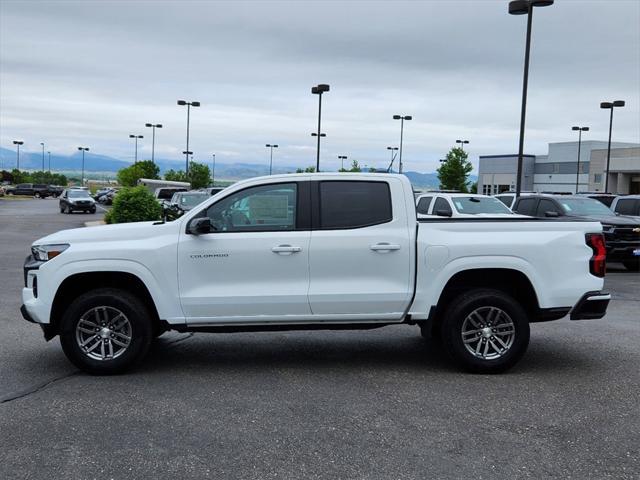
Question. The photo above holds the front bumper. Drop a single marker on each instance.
(591, 306)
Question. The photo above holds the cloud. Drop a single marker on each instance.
(92, 72)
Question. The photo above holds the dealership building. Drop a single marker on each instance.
(557, 171)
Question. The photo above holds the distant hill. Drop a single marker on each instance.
(102, 165)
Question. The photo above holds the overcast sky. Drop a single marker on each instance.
(93, 72)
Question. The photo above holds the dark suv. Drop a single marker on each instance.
(75, 199)
(621, 233)
(30, 189)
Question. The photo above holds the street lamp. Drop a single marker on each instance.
(579, 130)
(153, 138)
(402, 119)
(319, 90)
(342, 158)
(83, 149)
(17, 143)
(462, 142)
(611, 106)
(521, 7)
(271, 147)
(49, 154)
(42, 143)
(393, 157)
(136, 137)
(189, 105)
(186, 153)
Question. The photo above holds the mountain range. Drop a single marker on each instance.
(100, 166)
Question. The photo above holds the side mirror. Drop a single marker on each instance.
(198, 226)
(551, 214)
(443, 213)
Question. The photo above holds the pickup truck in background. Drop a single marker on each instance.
(30, 189)
(313, 251)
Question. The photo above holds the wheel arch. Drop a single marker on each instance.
(511, 281)
(77, 284)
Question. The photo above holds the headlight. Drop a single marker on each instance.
(44, 253)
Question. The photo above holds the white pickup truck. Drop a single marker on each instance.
(313, 251)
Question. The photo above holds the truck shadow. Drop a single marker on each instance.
(350, 351)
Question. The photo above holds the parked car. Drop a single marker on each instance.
(212, 190)
(164, 194)
(604, 198)
(100, 192)
(55, 190)
(30, 189)
(627, 205)
(509, 198)
(74, 199)
(621, 233)
(460, 205)
(313, 251)
(182, 202)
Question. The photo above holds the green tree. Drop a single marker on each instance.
(199, 175)
(128, 176)
(454, 172)
(134, 204)
(474, 188)
(175, 176)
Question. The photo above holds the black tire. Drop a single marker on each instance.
(481, 301)
(93, 210)
(431, 332)
(68, 210)
(632, 265)
(61, 209)
(135, 312)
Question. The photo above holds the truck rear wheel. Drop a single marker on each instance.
(106, 331)
(485, 331)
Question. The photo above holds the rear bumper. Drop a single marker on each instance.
(592, 305)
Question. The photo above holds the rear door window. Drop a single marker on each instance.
(526, 206)
(627, 206)
(443, 206)
(347, 204)
(423, 205)
(545, 206)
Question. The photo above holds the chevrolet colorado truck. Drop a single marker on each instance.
(313, 251)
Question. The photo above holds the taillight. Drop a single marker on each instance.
(598, 262)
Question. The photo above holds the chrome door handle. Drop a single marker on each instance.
(286, 249)
(384, 247)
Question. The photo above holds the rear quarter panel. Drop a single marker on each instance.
(553, 255)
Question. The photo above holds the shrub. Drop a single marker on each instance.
(135, 204)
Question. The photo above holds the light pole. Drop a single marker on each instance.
(579, 130)
(153, 138)
(213, 171)
(49, 154)
(42, 143)
(402, 118)
(187, 152)
(393, 157)
(521, 7)
(83, 149)
(462, 142)
(17, 143)
(136, 138)
(610, 106)
(342, 158)
(271, 147)
(319, 90)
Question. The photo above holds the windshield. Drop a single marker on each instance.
(475, 205)
(584, 206)
(78, 194)
(190, 200)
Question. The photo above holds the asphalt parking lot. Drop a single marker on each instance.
(366, 404)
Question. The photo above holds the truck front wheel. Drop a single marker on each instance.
(106, 331)
(485, 331)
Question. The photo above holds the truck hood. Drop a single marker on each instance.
(122, 231)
